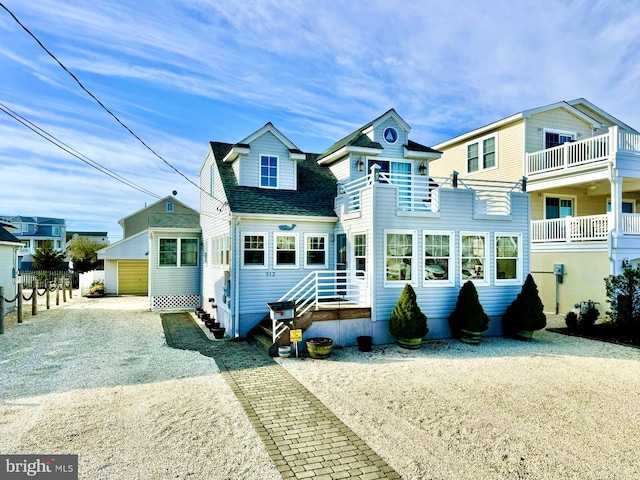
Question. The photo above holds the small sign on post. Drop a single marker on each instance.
(295, 336)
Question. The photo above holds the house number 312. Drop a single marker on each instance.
(271, 274)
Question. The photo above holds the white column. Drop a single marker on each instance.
(616, 200)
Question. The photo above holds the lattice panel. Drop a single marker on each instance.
(165, 302)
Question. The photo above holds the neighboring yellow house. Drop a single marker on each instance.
(582, 170)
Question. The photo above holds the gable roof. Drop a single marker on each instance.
(6, 237)
(594, 108)
(168, 198)
(174, 220)
(568, 106)
(316, 189)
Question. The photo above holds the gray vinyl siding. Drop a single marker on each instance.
(214, 221)
(455, 216)
(181, 280)
(259, 286)
(267, 144)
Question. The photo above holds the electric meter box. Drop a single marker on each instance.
(558, 269)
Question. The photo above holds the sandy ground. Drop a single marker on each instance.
(95, 378)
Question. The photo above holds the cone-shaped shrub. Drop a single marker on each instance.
(468, 314)
(526, 312)
(407, 320)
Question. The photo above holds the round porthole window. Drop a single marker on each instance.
(390, 135)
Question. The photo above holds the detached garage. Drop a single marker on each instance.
(126, 265)
(133, 277)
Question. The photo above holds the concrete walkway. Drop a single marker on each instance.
(302, 436)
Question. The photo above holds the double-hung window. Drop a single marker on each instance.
(316, 251)
(286, 255)
(438, 247)
(178, 252)
(482, 154)
(268, 171)
(473, 257)
(399, 248)
(508, 257)
(360, 251)
(254, 250)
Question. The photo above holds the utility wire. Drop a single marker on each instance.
(71, 151)
(104, 107)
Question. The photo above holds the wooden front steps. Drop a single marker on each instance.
(262, 333)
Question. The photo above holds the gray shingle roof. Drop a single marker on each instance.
(174, 220)
(314, 197)
(7, 237)
(416, 147)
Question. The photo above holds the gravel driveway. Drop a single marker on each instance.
(94, 377)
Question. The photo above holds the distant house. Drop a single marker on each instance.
(98, 237)
(159, 256)
(340, 233)
(33, 232)
(582, 170)
(9, 246)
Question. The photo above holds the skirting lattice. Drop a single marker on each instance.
(173, 302)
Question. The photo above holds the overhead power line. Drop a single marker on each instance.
(104, 107)
(71, 151)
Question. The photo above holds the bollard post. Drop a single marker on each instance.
(58, 291)
(47, 296)
(70, 287)
(19, 299)
(34, 298)
(1, 309)
(64, 290)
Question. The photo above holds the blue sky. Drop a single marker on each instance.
(180, 74)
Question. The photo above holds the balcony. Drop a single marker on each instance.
(601, 149)
(581, 229)
(420, 194)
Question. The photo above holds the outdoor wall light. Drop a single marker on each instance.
(360, 164)
(422, 168)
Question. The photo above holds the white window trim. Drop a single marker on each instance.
(452, 260)
(624, 200)
(480, 142)
(55, 231)
(277, 157)
(170, 207)
(353, 250)
(487, 258)
(573, 135)
(326, 250)
(265, 265)
(275, 251)
(179, 253)
(573, 198)
(414, 267)
(519, 270)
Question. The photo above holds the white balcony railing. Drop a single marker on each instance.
(601, 148)
(581, 229)
(418, 193)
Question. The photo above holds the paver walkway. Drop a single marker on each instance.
(303, 437)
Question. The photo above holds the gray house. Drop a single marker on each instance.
(340, 233)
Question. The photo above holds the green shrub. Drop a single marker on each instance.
(468, 313)
(623, 293)
(407, 320)
(526, 312)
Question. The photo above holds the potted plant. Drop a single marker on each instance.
(468, 319)
(319, 347)
(526, 313)
(96, 289)
(407, 322)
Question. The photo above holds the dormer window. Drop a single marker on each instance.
(268, 171)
